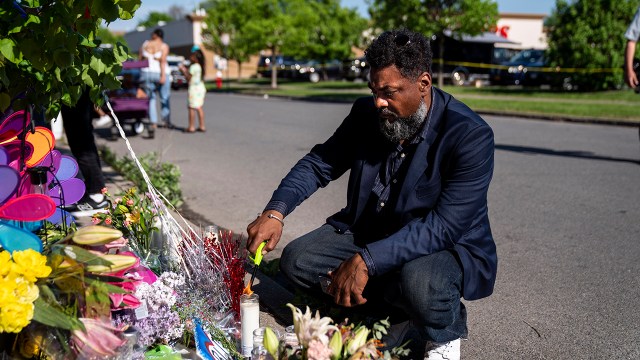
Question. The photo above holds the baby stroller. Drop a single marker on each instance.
(130, 103)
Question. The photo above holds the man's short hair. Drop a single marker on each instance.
(409, 51)
(159, 33)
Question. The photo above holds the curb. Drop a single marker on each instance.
(558, 118)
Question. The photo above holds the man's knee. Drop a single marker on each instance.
(435, 272)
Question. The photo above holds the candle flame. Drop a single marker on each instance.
(247, 290)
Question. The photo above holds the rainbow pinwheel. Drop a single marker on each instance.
(26, 154)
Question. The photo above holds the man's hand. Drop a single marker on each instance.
(348, 282)
(264, 229)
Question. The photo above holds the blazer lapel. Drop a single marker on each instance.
(370, 168)
(419, 163)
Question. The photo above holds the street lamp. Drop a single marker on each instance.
(225, 39)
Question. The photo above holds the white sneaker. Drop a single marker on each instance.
(103, 120)
(440, 351)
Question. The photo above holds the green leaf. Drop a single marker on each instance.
(7, 48)
(63, 58)
(5, 101)
(97, 65)
(97, 303)
(51, 313)
(111, 289)
(80, 255)
(105, 9)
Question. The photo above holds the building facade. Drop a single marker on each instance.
(526, 31)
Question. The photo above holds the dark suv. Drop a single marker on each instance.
(287, 66)
(529, 68)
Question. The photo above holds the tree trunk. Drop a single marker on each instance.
(441, 61)
(274, 70)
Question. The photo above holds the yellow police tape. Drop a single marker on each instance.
(529, 68)
(556, 69)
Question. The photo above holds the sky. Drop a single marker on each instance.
(507, 6)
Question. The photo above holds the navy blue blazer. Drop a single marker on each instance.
(442, 204)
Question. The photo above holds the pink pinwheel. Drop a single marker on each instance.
(34, 150)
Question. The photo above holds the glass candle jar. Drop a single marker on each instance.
(250, 320)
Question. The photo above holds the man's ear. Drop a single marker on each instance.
(425, 82)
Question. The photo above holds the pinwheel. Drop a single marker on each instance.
(27, 155)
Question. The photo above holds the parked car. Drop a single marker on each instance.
(529, 68)
(178, 80)
(356, 69)
(287, 66)
(315, 70)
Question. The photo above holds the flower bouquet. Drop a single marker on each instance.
(137, 218)
(320, 339)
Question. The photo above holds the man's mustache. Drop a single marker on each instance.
(387, 113)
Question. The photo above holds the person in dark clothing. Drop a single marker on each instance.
(415, 234)
(77, 122)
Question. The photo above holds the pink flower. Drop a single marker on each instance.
(116, 244)
(95, 221)
(126, 223)
(108, 221)
(118, 200)
(104, 190)
(127, 300)
(130, 202)
(97, 341)
(131, 280)
(318, 351)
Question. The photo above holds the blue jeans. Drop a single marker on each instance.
(427, 290)
(153, 88)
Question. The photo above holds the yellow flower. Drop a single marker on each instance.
(26, 291)
(31, 264)
(5, 263)
(14, 316)
(133, 217)
(7, 288)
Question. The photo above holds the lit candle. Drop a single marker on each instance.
(250, 320)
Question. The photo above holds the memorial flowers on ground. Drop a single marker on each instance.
(18, 290)
(320, 339)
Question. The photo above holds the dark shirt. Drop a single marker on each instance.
(375, 224)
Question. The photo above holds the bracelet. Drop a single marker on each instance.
(271, 216)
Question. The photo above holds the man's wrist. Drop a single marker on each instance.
(368, 261)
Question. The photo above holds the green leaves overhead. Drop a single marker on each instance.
(321, 30)
(52, 54)
(590, 35)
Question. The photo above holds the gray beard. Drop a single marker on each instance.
(402, 128)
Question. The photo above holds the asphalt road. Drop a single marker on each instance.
(564, 206)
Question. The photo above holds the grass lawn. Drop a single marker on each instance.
(619, 106)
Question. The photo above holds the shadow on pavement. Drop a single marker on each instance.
(565, 153)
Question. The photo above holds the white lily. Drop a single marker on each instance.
(308, 328)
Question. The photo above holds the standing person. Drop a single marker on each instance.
(632, 35)
(197, 90)
(415, 234)
(157, 78)
(79, 130)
